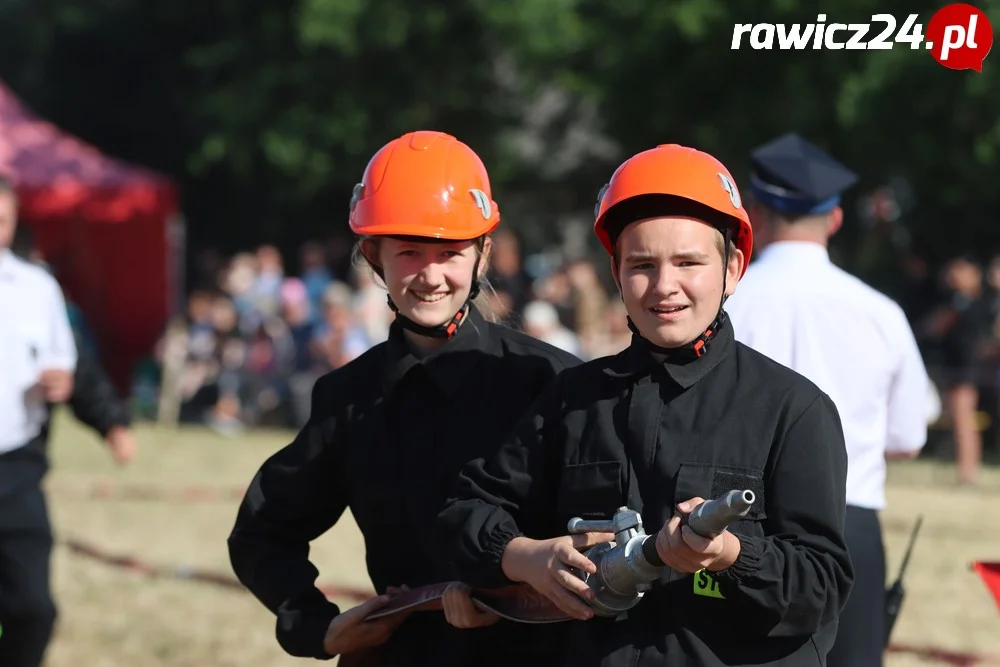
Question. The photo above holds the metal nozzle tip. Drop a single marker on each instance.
(748, 497)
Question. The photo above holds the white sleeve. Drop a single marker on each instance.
(59, 351)
(910, 395)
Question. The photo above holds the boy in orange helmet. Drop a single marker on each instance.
(389, 431)
(685, 413)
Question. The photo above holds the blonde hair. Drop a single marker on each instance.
(720, 245)
(483, 301)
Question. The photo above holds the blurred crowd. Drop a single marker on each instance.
(257, 335)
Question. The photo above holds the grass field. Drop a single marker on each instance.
(112, 617)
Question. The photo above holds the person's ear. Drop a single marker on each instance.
(369, 249)
(615, 276)
(834, 221)
(737, 260)
(484, 257)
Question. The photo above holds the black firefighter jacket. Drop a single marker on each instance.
(387, 436)
(627, 430)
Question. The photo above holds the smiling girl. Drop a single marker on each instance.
(389, 431)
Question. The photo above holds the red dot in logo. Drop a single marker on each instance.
(961, 36)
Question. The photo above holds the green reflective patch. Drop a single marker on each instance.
(706, 586)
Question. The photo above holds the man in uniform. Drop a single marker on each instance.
(795, 306)
(37, 358)
(685, 413)
(94, 401)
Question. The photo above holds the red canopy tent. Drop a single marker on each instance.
(112, 231)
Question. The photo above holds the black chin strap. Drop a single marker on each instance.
(446, 330)
(696, 348)
(449, 328)
(699, 346)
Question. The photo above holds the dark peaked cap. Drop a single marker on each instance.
(794, 176)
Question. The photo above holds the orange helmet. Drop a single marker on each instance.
(690, 177)
(426, 184)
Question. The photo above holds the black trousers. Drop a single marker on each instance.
(27, 611)
(861, 636)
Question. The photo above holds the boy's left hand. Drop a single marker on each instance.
(685, 551)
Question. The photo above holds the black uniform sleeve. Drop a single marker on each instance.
(800, 574)
(94, 400)
(295, 497)
(478, 521)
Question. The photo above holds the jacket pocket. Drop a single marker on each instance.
(709, 481)
(590, 490)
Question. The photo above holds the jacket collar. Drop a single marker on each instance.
(636, 362)
(445, 368)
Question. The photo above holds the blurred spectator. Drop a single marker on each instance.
(616, 335)
(507, 274)
(240, 277)
(270, 272)
(370, 305)
(296, 309)
(338, 338)
(201, 331)
(316, 277)
(590, 302)
(963, 348)
(228, 357)
(542, 322)
(920, 291)
(557, 290)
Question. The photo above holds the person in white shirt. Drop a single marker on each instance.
(795, 306)
(541, 320)
(37, 363)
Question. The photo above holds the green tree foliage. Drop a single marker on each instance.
(267, 110)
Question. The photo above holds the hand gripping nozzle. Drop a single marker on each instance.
(627, 567)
